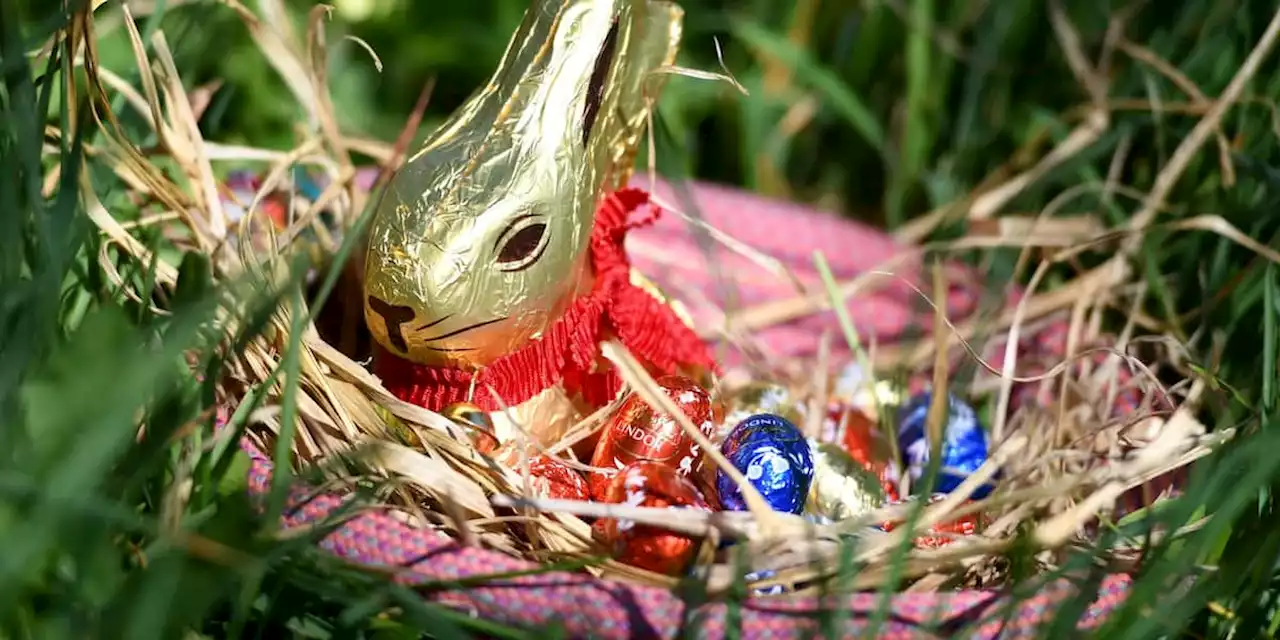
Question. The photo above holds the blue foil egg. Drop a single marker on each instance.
(775, 458)
(764, 574)
(964, 443)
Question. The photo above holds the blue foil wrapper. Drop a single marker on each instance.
(774, 456)
(764, 574)
(964, 443)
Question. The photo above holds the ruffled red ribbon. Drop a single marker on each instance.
(569, 351)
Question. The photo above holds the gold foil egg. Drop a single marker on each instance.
(758, 397)
(842, 488)
(852, 387)
(477, 423)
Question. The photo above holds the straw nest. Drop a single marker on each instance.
(1064, 465)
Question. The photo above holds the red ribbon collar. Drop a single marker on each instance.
(569, 350)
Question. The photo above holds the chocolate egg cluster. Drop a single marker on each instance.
(846, 469)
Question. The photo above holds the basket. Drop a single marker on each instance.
(669, 253)
(1128, 439)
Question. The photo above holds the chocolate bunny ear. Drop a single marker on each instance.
(652, 45)
(483, 232)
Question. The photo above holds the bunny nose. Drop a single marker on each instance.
(395, 316)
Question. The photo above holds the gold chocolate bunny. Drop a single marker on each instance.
(480, 244)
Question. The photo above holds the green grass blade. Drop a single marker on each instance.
(809, 71)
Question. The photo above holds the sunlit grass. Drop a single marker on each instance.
(893, 110)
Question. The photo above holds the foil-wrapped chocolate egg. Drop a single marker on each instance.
(943, 533)
(649, 484)
(964, 442)
(764, 574)
(863, 441)
(555, 479)
(549, 477)
(854, 388)
(842, 487)
(860, 439)
(775, 458)
(755, 398)
(638, 433)
(477, 423)
(598, 483)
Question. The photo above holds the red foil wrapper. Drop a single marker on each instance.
(649, 484)
(705, 480)
(861, 439)
(598, 484)
(717, 411)
(637, 433)
(549, 477)
(963, 526)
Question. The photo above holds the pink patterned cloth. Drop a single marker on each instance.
(587, 607)
(702, 273)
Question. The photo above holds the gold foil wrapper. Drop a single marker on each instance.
(852, 387)
(842, 488)
(478, 244)
(478, 424)
(543, 418)
(758, 397)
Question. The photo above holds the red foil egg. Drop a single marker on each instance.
(649, 484)
(963, 526)
(549, 477)
(638, 433)
(555, 479)
(861, 439)
(598, 483)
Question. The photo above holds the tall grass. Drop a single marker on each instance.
(885, 110)
(122, 513)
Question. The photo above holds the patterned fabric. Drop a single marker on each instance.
(708, 277)
(587, 607)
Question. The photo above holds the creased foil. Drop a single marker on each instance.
(479, 243)
(842, 488)
(755, 398)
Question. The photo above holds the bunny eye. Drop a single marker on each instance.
(521, 249)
